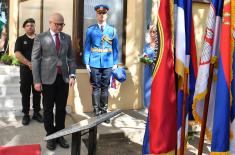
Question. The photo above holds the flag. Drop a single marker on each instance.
(181, 64)
(161, 129)
(186, 58)
(232, 144)
(193, 67)
(209, 55)
(221, 123)
(232, 127)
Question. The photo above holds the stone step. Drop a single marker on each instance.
(11, 113)
(10, 102)
(9, 89)
(9, 79)
(9, 70)
(10, 97)
(12, 106)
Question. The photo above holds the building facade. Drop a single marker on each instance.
(130, 17)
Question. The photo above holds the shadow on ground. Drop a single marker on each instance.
(193, 142)
(116, 146)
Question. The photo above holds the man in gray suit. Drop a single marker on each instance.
(53, 68)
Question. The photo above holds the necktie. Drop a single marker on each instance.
(102, 28)
(57, 42)
(57, 45)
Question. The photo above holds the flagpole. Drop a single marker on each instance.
(185, 90)
(205, 110)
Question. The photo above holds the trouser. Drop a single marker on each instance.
(100, 80)
(26, 85)
(55, 94)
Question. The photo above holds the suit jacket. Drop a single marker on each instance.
(101, 48)
(45, 58)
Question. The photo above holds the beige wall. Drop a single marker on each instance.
(29, 9)
(13, 15)
(65, 7)
(128, 94)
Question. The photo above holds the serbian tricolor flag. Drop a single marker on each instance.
(161, 129)
(221, 123)
(191, 49)
(181, 64)
(186, 60)
(210, 52)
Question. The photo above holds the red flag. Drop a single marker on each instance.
(161, 129)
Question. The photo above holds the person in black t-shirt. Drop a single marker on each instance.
(23, 51)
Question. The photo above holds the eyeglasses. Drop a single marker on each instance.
(152, 31)
(59, 24)
(101, 12)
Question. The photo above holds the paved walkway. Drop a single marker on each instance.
(123, 136)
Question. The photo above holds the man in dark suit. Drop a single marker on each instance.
(53, 67)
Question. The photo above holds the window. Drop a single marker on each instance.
(85, 16)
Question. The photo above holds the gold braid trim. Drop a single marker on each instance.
(219, 153)
(201, 96)
(198, 119)
(107, 39)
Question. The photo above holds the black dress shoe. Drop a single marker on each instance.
(96, 114)
(51, 144)
(38, 117)
(62, 142)
(25, 120)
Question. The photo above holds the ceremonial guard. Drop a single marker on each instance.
(100, 58)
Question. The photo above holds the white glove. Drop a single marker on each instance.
(114, 67)
(88, 68)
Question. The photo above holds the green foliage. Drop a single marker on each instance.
(9, 60)
(145, 59)
(6, 59)
(15, 61)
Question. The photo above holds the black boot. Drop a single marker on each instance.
(104, 105)
(26, 119)
(96, 104)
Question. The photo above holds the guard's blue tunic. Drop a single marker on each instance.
(148, 70)
(101, 48)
